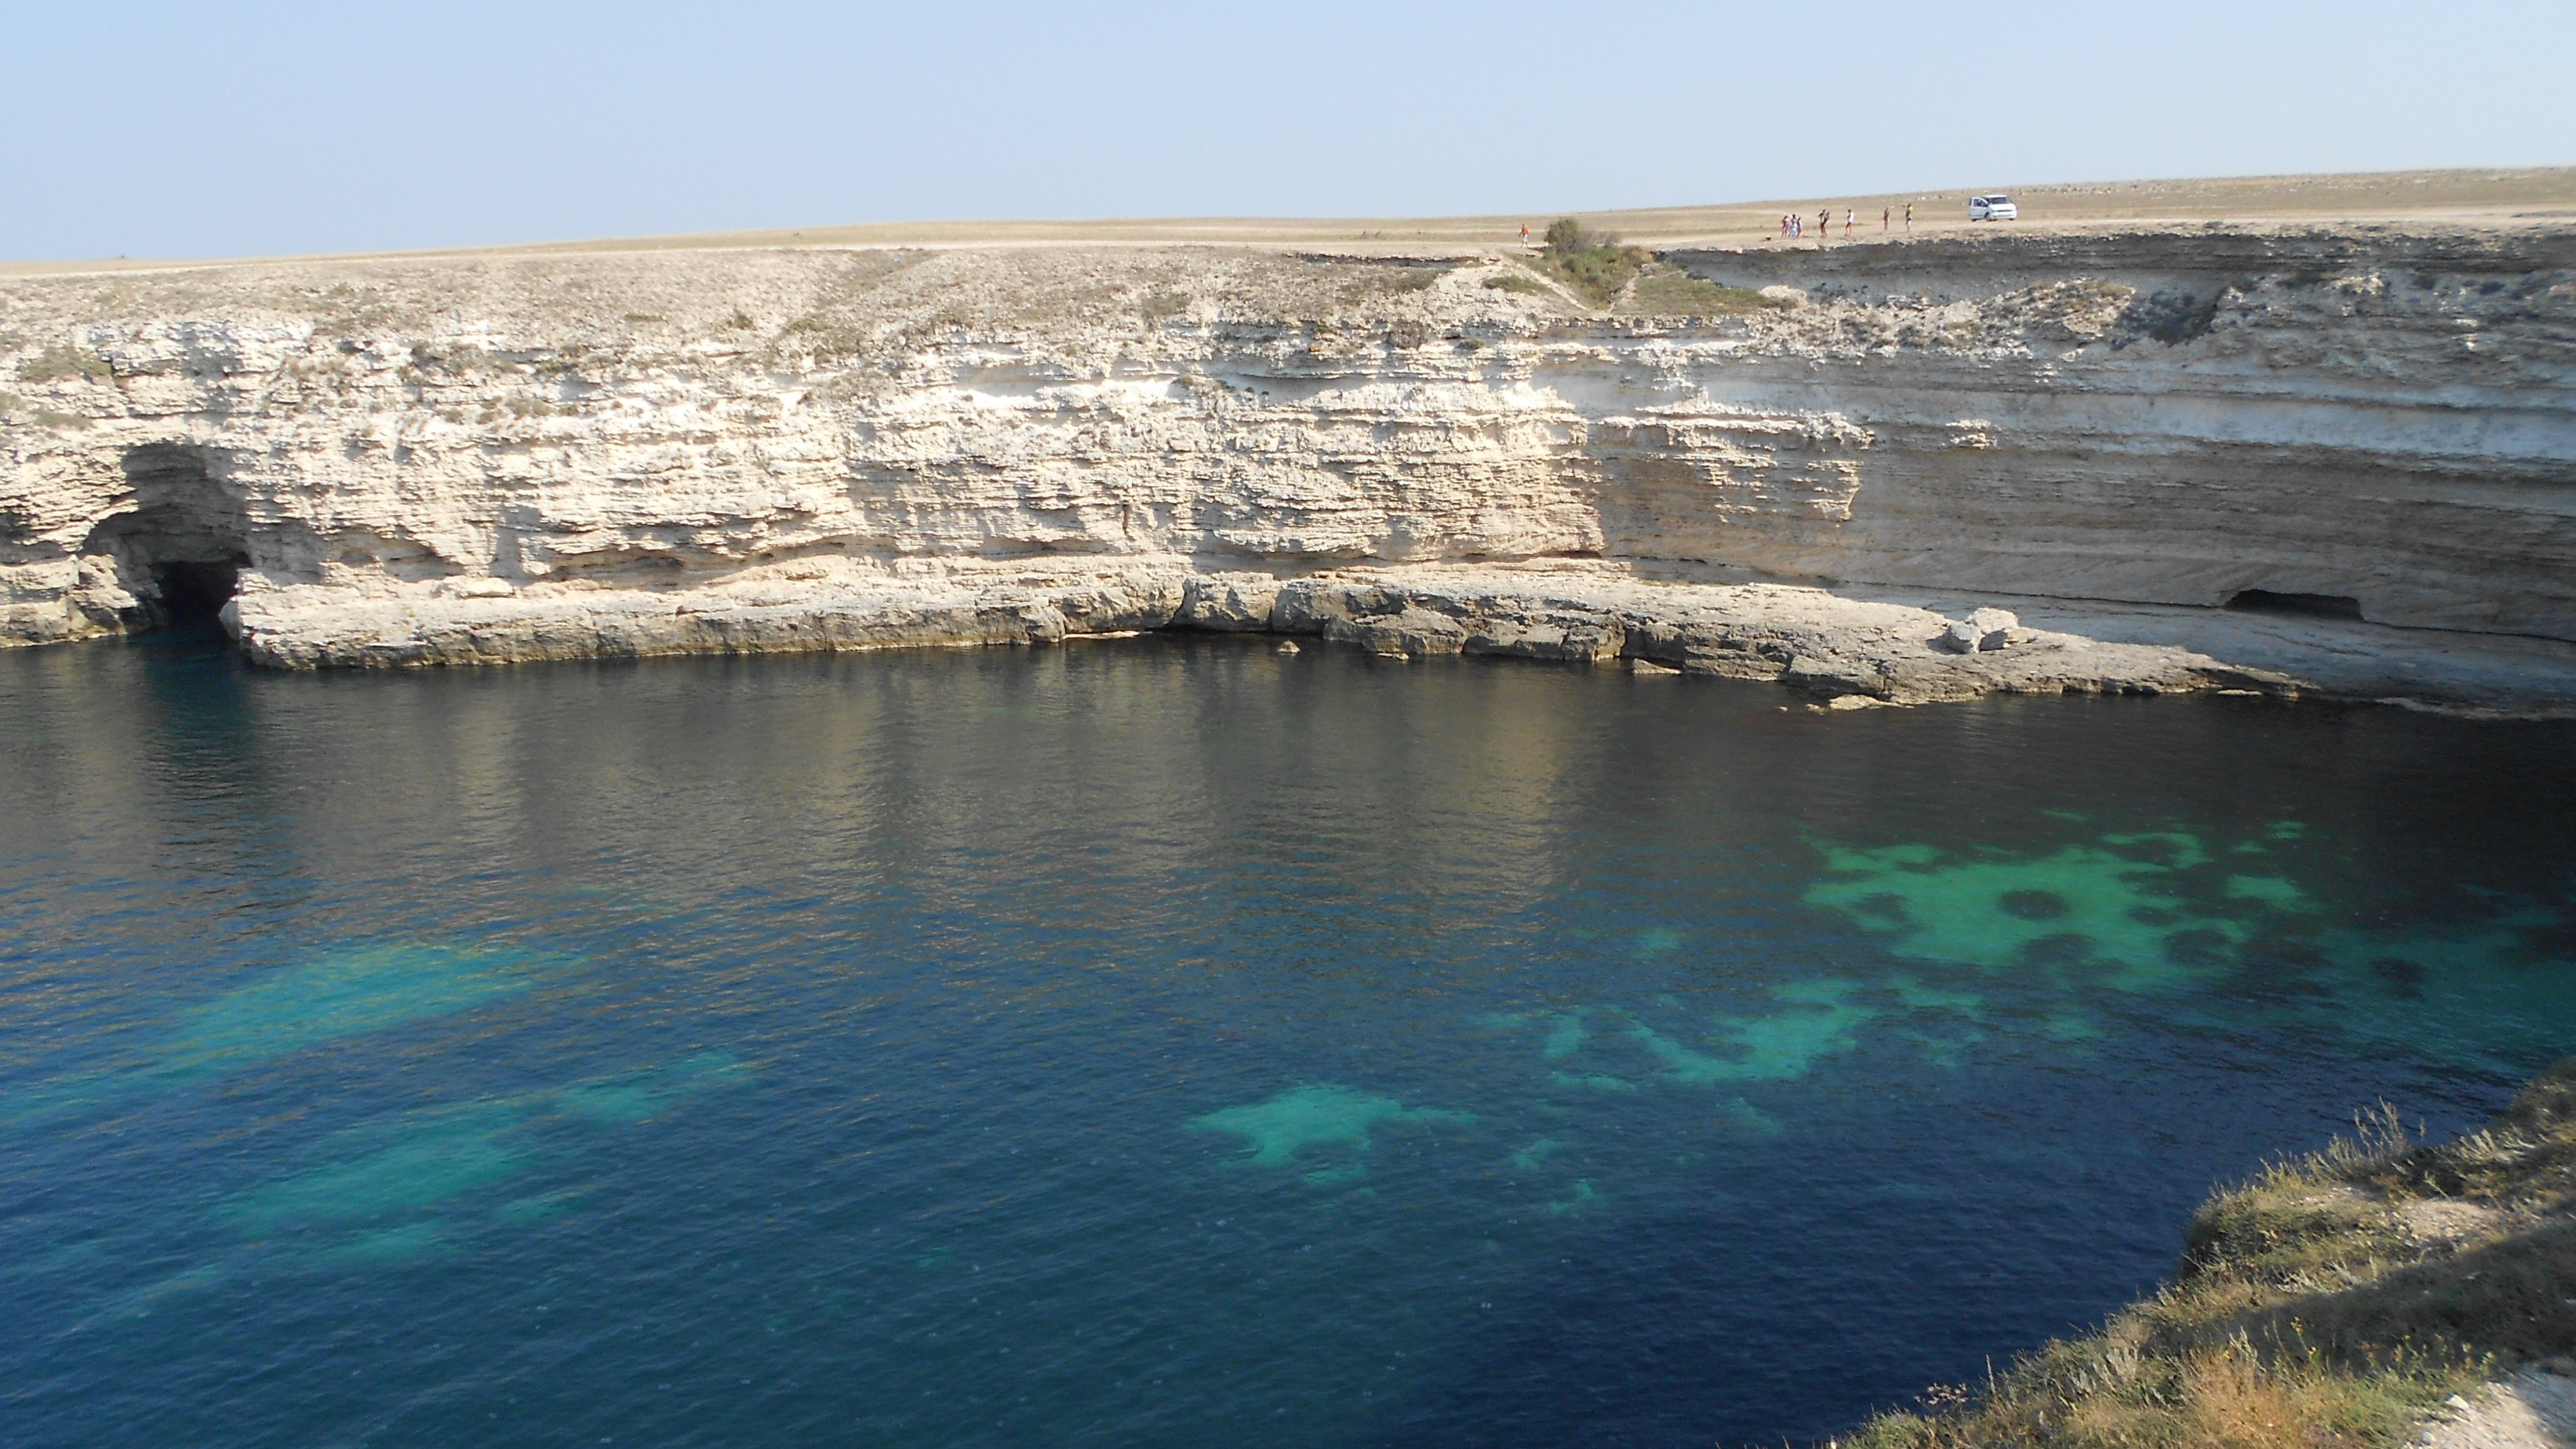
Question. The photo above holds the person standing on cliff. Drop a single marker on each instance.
(1824, 226)
(1524, 234)
(1883, 215)
(1849, 216)
(1909, 216)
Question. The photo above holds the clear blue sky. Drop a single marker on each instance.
(211, 129)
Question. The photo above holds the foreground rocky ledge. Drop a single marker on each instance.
(1838, 649)
(2380, 1292)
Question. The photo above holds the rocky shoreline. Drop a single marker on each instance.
(1806, 467)
(1843, 651)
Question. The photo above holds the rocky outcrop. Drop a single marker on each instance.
(1982, 632)
(1829, 646)
(427, 461)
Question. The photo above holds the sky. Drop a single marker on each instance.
(240, 129)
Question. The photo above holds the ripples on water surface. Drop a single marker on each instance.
(1174, 1042)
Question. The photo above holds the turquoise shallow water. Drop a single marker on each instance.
(1145, 1044)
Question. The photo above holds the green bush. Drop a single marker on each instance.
(1521, 282)
(1595, 266)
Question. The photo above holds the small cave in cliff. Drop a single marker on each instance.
(2314, 606)
(178, 552)
(194, 592)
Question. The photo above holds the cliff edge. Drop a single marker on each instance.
(2334, 458)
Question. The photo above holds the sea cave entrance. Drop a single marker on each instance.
(194, 591)
(179, 551)
(2314, 606)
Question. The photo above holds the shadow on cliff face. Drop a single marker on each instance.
(2169, 317)
(177, 555)
(2314, 606)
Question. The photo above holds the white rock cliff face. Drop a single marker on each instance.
(423, 461)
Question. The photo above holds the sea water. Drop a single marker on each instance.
(1173, 1042)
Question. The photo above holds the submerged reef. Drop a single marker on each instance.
(2071, 930)
(398, 1188)
(1322, 1121)
(352, 992)
(2113, 906)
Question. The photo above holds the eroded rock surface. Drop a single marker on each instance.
(1810, 638)
(444, 461)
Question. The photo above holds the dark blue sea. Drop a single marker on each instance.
(1171, 1042)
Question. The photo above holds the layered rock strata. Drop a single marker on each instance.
(1827, 645)
(443, 461)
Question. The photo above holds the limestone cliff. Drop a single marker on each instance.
(434, 460)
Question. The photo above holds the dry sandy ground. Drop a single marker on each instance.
(2540, 196)
(2531, 1410)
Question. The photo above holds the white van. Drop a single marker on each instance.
(1992, 208)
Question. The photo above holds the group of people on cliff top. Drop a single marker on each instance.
(1793, 227)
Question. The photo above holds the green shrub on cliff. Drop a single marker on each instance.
(1595, 266)
(2331, 1301)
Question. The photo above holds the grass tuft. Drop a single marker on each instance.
(1670, 292)
(62, 360)
(825, 339)
(1371, 282)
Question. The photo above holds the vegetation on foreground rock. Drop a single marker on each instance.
(2331, 1301)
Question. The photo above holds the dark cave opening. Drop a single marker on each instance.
(2314, 606)
(178, 548)
(194, 592)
